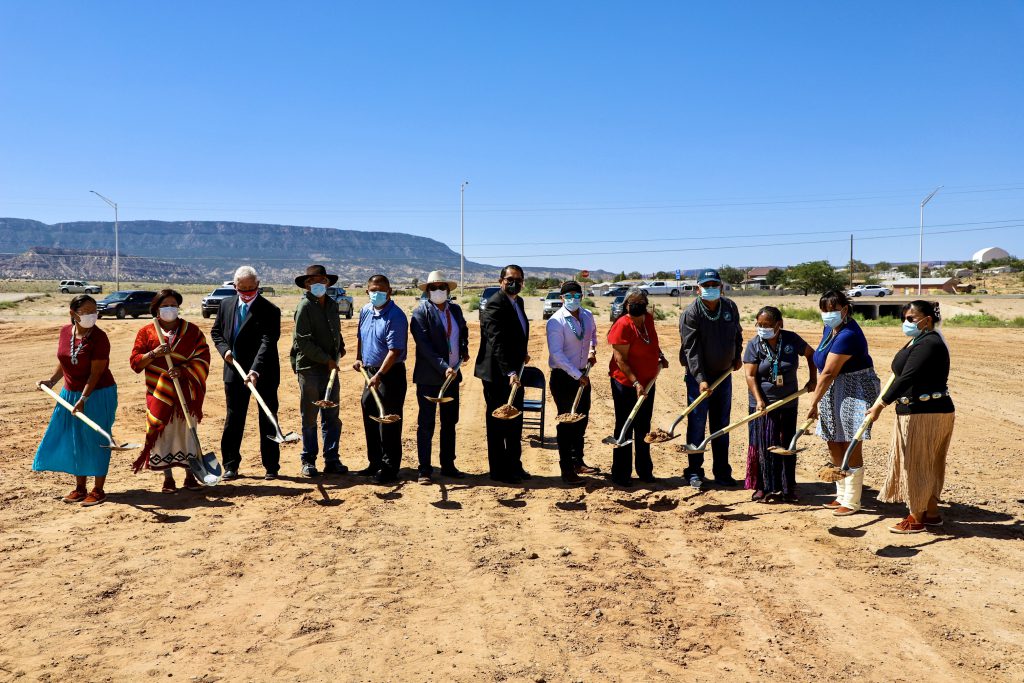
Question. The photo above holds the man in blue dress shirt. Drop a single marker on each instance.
(383, 340)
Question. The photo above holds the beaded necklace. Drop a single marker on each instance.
(76, 350)
(702, 307)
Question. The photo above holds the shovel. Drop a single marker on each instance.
(290, 437)
(441, 398)
(572, 415)
(383, 419)
(690, 448)
(830, 472)
(327, 402)
(509, 411)
(111, 444)
(793, 450)
(618, 442)
(661, 436)
(204, 466)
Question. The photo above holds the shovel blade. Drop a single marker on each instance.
(508, 416)
(206, 469)
(779, 450)
(690, 449)
(290, 437)
(442, 399)
(612, 441)
(123, 446)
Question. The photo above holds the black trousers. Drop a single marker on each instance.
(237, 398)
(384, 441)
(504, 437)
(570, 435)
(624, 397)
(425, 425)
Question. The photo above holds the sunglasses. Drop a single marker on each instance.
(248, 291)
(514, 279)
(577, 297)
(434, 288)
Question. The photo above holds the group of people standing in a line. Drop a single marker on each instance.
(842, 382)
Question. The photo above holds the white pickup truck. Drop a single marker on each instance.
(667, 287)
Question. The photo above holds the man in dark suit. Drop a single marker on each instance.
(442, 343)
(246, 330)
(504, 333)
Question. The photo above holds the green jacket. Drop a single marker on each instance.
(317, 335)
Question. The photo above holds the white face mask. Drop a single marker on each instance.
(438, 296)
(87, 320)
(168, 313)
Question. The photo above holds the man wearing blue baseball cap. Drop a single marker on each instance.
(712, 345)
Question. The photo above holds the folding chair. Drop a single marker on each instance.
(533, 378)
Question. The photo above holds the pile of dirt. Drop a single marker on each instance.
(505, 412)
(657, 436)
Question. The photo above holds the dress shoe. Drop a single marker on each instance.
(270, 476)
(424, 479)
(453, 472)
(335, 468)
(584, 468)
(229, 475)
(367, 471)
(725, 481)
(524, 475)
(572, 479)
(384, 477)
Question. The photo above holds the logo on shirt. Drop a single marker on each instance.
(727, 315)
(788, 348)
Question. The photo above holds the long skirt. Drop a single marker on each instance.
(69, 445)
(173, 447)
(766, 471)
(845, 404)
(917, 460)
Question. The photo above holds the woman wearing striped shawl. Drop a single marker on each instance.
(169, 442)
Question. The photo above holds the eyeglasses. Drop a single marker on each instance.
(514, 279)
(434, 288)
(576, 297)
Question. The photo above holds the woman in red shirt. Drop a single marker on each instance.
(69, 445)
(636, 361)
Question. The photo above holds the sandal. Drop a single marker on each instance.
(94, 498)
(191, 483)
(76, 496)
(169, 486)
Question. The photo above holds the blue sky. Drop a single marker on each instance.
(602, 135)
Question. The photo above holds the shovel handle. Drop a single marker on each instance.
(448, 381)
(81, 416)
(376, 396)
(636, 409)
(697, 401)
(515, 387)
(864, 425)
(579, 392)
(330, 383)
(754, 415)
(256, 395)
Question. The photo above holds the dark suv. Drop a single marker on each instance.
(618, 308)
(121, 304)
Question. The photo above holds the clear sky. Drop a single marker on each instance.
(597, 134)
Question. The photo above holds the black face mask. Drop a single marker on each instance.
(513, 286)
(637, 309)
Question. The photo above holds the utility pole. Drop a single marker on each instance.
(462, 230)
(920, 243)
(851, 260)
(117, 246)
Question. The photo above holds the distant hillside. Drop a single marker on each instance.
(210, 251)
(92, 264)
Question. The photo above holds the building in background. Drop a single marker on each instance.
(989, 254)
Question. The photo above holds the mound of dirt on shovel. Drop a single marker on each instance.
(569, 417)
(657, 436)
(506, 412)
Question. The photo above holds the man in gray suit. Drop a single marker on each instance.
(442, 344)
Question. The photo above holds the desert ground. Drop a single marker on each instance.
(338, 579)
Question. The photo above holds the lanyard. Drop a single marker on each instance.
(572, 326)
(773, 358)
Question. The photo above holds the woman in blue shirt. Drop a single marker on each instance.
(847, 386)
(770, 363)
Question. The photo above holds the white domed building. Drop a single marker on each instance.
(989, 254)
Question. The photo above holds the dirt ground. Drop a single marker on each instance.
(336, 579)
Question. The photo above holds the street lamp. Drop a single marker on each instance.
(117, 245)
(462, 251)
(920, 243)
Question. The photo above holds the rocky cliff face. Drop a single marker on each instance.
(211, 250)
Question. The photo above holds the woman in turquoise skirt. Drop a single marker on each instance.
(69, 445)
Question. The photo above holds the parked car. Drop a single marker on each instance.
(552, 302)
(211, 302)
(870, 290)
(616, 291)
(487, 294)
(617, 307)
(669, 287)
(133, 302)
(345, 304)
(79, 287)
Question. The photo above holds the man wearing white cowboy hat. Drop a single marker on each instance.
(442, 344)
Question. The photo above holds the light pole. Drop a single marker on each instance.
(462, 228)
(117, 245)
(920, 243)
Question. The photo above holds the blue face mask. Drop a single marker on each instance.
(378, 299)
(711, 293)
(318, 290)
(765, 333)
(833, 319)
(911, 329)
(572, 303)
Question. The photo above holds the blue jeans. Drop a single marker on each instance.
(713, 412)
(312, 387)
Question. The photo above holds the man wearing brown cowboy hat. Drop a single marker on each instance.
(316, 348)
(442, 345)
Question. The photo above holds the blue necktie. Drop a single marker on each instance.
(243, 310)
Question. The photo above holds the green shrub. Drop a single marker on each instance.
(982, 319)
(472, 302)
(659, 313)
(588, 303)
(794, 313)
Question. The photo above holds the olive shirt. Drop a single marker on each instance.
(317, 336)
